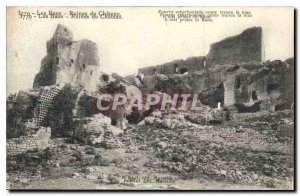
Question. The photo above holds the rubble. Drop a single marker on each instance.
(210, 150)
(110, 141)
(242, 133)
(97, 130)
(23, 144)
(235, 50)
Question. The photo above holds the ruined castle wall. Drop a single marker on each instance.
(75, 59)
(229, 91)
(147, 71)
(21, 145)
(45, 101)
(260, 89)
(241, 48)
(190, 65)
(38, 141)
(89, 78)
(66, 59)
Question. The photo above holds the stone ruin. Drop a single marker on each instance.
(64, 98)
(38, 141)
(243, 48)
(232, 74)
(68, 61)
(65, 90)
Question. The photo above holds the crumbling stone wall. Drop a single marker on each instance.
(97, 130)
(235, 56)
(147, 71)
(273, 83)
(20, 107)
(229, 91)
(66, 59)
(241, 48)
(45, 102)
(190, 65)
(38, 141)
(21, 145)
(60, 116)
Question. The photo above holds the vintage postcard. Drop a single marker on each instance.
(150, 98)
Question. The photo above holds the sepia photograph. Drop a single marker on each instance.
(150, 98)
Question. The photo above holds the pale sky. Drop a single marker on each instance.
(141, 39)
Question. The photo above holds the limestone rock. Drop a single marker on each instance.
(244, 47)
(23, 144)
(68, 61)
(162, 145)
(134, 80)
(43, 135)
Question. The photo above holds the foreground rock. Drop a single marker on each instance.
(37, 142)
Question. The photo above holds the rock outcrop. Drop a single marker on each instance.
(180, 66)
(38, 141)
(241, 48)
(68, 61)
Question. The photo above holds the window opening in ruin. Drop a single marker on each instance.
(72, 61)
(204, 63)
(183, 70)
(91, 73)
(83, 65)
(254, 95)
(57, 60)
(238, 82)
(271, 87)
(154, 70)
(176, 68)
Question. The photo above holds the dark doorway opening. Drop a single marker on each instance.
(238, 82)
(183, 70)
(254, 95)
(176, 68)
(271, 87)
